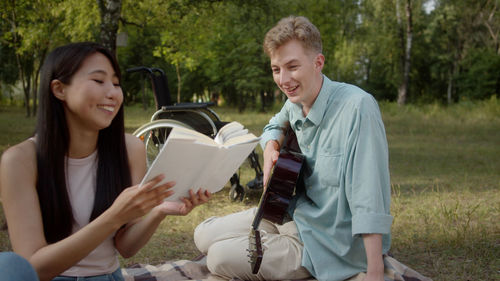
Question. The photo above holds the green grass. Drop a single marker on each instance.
(445, 173)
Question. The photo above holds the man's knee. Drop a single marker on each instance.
(202, 235)
(227, 259)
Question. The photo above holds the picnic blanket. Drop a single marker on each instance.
(196, 269)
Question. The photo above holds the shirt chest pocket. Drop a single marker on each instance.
(328, 167)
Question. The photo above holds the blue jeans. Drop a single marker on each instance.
(13, 267)
(115, 276)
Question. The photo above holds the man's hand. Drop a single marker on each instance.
(271, 154)
(374, 277)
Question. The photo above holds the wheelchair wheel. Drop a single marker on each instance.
(154, 134)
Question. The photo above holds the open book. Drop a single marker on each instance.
(194, 160)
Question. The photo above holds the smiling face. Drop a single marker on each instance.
(297, 73)
(93, 97)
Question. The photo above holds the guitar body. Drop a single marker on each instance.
(282, 183)
(279, 191)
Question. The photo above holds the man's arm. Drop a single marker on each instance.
(373, 246)
(271, 138)
(369, 184)
(271, 154)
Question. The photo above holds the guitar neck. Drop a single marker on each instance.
(258, 216)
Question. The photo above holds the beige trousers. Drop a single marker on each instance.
(225, 242)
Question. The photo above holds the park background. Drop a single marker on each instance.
(433, 66)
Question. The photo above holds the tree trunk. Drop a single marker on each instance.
(450, 87)
(25, 82)
(110, 14)
(489, 23)
(34, 93)
(405, 84)
(179, 82)
(451, 76)
(35, 82)
(21, 68)
(263, 101)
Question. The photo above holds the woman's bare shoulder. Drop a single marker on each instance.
(136, 157)
(18, 166)
(20, 154)
(133, 142)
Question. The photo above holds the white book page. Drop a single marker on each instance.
(224, 133)
(229, 164)
(195, 161)
(182, 161)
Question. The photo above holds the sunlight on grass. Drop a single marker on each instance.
(445, 174)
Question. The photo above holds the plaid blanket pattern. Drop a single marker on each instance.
(196, 269)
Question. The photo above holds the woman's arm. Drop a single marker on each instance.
(18, 175)
(137, 233)
(22, 210)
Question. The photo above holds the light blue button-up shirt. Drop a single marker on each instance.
(347, 183)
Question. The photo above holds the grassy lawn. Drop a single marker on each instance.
(445, 173)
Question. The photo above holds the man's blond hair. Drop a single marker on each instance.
(290, 28)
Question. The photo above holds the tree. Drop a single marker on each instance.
(183, 35)
(378, 44)
(8, 72)
(214, 47)
(110, 14)
(29, 29)
(488, 19)
(406, 46)
(239, 67)
(458, 30)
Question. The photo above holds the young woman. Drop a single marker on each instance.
(70, 193)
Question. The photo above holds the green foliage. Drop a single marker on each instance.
(79, 20)
(213, 48)
(8, 71)
(480, 76)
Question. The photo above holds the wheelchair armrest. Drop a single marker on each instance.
(188, 105)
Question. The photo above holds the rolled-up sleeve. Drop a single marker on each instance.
(274, 129)
(367, 172)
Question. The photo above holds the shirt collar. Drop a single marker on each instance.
(318, 109)
(320, 104)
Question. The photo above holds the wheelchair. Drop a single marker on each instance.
(196, 116)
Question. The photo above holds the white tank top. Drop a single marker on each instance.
(81, 177)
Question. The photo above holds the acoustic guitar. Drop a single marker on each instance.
(280, 189)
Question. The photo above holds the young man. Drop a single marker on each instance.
(340, 225)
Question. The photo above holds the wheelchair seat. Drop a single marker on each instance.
(196, 115)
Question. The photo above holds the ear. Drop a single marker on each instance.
(319, 61)
(57, 88)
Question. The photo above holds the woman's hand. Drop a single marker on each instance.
(187, 205)
(134, 235)
(136, 201)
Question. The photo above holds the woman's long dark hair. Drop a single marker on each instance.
(52, 142)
